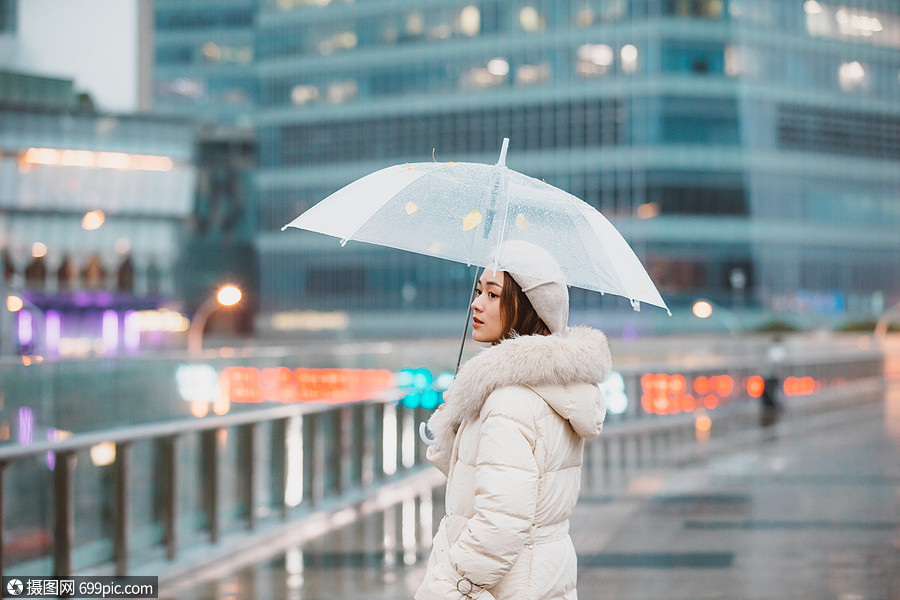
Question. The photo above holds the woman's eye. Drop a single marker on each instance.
(492, 295)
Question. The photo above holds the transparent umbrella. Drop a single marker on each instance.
(465, 211)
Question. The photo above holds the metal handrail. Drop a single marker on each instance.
(133, 433)
(335, 449)
(335, 446)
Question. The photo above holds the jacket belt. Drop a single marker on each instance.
(537, 534)
(544, 534)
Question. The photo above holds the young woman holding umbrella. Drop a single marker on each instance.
(510, 439)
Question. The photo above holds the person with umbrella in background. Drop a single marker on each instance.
(510, 439)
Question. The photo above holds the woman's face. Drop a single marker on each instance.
(487, 324)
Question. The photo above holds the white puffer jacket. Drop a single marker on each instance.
(510, 440)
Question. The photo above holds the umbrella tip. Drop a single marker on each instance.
(502, 161)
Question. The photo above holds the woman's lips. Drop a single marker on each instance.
(476, 322)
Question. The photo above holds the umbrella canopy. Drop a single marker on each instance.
(464, 212)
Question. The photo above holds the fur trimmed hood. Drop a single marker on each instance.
(580, 355)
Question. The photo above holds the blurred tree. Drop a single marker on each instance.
(36, 273)
(93, 275)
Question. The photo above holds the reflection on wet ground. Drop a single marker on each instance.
(379, 557)
(809, 510)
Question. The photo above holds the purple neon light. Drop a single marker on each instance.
(51, 457)
(52, 331)
(131, 331)
(26, 327)
(26, 425)
(110, 331)
(103, 298)
(81, 298)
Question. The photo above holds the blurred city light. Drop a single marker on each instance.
(702, 309)
(162, 320)
(38, 250)
(811, 7)
(470, 20)
(123, 245)
(131, 331)
(530, 19)
(799, 386)
(100, 160)
(103, 454)
(851, 75)
(26, 329)
(14, 303)
(498, 67)
(310, 320)
(229, 295)
(669, 393)
(301, 94)
(702, 426)
(755, 386)
(614, 392)
(629, 54)
(26, 425)
(648, 210)
(253, 385)
(93, 220)
(110, 332)
(52, 332)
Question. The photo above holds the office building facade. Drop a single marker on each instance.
(93, 211)
(748, 151)
(203, 60)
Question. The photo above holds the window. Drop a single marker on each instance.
(687, 57)
(833, 131)
(590, 123)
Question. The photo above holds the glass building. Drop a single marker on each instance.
(93, 209)
(748, 150)
(203, 59)
(7, 16)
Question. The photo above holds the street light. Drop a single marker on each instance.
(228, 295)
(881, 327)
(704, 309)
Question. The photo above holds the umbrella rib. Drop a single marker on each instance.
(633, 300)
(502, 221)
(602, 241)
(379, 207)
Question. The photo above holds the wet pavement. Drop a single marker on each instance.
(807, 509)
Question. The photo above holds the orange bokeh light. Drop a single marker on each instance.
(669, 394)
(280, 384)
(755, 386)
(799, 386)
(701, 385)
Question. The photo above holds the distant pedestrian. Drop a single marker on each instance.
(510, 439)
(771, 405)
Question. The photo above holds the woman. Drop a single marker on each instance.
(510, 440)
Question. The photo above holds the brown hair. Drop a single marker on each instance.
(517, 313)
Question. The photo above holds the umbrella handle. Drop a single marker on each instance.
(428, 441)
